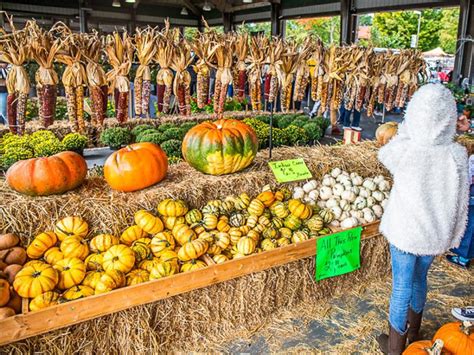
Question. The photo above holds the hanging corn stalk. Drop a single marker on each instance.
(222, 54)
(146, 50)
(97, 81)
(43, 50)
(363, 80)
(376, 69)
(181, 86)
(302, 71)
(241, 49)
(15, 50)
(202, 47)
(119, 50)
(275, 49)
(337, 75)
(286, 70)
(257, 55)
(353, 76)
(164, 57)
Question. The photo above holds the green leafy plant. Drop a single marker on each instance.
(174, 160)
(164, 126)
(173, 133)
(156, 138)
(116, 137)
(48, 147)
(296, 135)
(313, 131)
(145, 133)
(13, 154)
(172, 148)
(75, 142)
(140, 128)
(41, 136)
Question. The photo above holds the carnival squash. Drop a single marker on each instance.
(76, 292)
(162, 241)
(35, 279)
(136, 167)
(53, 255)
(119, 257)
(74, 247)
(109, 281)
(136, 277)
(47, 176)
(71, 226)
(220, 147)
(163, 269)
(193, 250)
(92, 278)
(44, 300)
(172, 208)
(103, 242)
(131, 234)
(148, 222)
(71, 272)
(40, 244)
(193, 265)
(246, 245)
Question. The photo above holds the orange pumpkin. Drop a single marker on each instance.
(267, 197)
(458, 338)
(47, 176)
(136, 167)
(148, 222)
(385, 132)
(220, 147)
(424, 347)
(40, 244)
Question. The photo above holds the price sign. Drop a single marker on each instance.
(290, 170)
(338, 254)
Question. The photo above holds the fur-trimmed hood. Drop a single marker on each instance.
(427, 210)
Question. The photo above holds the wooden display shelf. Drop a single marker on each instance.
(62, 315)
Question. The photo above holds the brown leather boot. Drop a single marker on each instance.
(393, 343)
(414, 324)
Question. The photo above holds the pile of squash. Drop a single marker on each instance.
(68, 263)
(12, 257)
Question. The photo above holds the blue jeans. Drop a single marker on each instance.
(409, 286)
(3, 108)
(346, 118)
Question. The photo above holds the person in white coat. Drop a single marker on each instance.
(426, 213)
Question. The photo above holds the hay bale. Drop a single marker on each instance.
(203, 320)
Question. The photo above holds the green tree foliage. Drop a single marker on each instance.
(366, 20)
(449, 30)
(327, 28)
(258, 27)
(394, 29)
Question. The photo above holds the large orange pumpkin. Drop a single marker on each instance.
(220, 147)
(47, 176)
(136, 167)
(385, 132)
(458, 338)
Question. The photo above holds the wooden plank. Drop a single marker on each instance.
(33, 323)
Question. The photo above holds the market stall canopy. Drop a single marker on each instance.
(437, 52)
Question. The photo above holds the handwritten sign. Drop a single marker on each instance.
(338, 254)
(290, 170)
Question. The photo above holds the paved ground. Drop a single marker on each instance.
(350, 323)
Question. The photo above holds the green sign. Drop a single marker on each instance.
(290, 170)
(338, 254)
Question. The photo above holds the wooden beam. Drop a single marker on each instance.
(194, 9)
(29, 324)
(135, 5)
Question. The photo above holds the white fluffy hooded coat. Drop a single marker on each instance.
(426, 213)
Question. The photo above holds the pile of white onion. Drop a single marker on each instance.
(352, 199)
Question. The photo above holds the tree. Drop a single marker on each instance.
(326, 28)
(394, 29)
(449, 31)
(259, 27)
(366, 20)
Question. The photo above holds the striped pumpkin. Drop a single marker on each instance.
(220, 147)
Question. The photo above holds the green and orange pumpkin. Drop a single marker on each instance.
(220, 147)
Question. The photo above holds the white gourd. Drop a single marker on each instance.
(350, 222)
(357, 214)
(353, 175)
(298, 193)
(321, 204)
(357, 180)
(310, 185)
(369, 184)
(362, 221)
(337, 211)
(384, 203)
(363, 192)
(336, 172)
(332, 202)
(348, 195)
(371, 201)
(366, 209)
(355, 189)
(325, 193)
(360, 203)
(345, 205)
(369, 216)
(379, 196)
(306, 199)
(344, 215)
(384, 185)
(329, 181)
(378, 179)
(338, 189)
(378, 210)
(313, 195)
(335, 223)
(386, 194)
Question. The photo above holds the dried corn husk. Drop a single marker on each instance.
(164, 57)
(222, 59)
(181, 60)
(202, 47)
(257, 55)
(241, 49)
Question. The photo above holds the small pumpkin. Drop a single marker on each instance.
(242, 201)
(299, 209)
(172, 208)
(136, 167)
(183, 234)
(192, 250)
(385, 132)
(209, 221)
(220, 147)
(223, 224)
(141, 250)
(131, 234)
(292, 222)
(71, 272)
(44, 300)
(77, 292)
(193, 216)
(237, 219)
(246, 245)
(71, 226)
(458, 338)
(162, 241)
(227, 207)
(315, 223)
(299, 236)
(94, 261)
(425, 347)
(162, 269)
(53, 255)
(268, 244)
(119, 257)
(282, 241)
(136, 277)
(193, 265)
(47, 175)
(214, 250)
(109, 281)
(254, 235)
(170, 256)
(103, 242)
(92, 278)
(40, 244)
(267, 197)
(280, 210)
(149, 223)
(285, 232)
(74, 247)
(327, 215)
(222, 240)
(220, 258)
(256, 208)
(277, 223)
(171, 222)
(149, 264)
(35, 279)
(235, 234)
(211, 208)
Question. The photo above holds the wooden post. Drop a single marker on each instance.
(228, 21)
(83, 20)
(348, 22)
(275, 19)
(463, 64)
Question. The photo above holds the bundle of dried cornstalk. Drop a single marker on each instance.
(119, 50)
(286, 70)
(241, 49)
(202, 48)
(222, 59)
(98, 89)
(181, 86)
(302, 70)
(43, 50)
(15, 50)
(164, 57)
(274, 51)
(145, 48)
(257, 57)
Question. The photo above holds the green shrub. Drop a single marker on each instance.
(173, 133)
(172, 148)
(187, 126)
(48, 147)
(296, 135)
(41, 136)
(284, 121)
(156, 138)
(140, 128)
(145, 133)
(13, 141)
(74, 141)
(323, 123)
(14, 154)
(116, 137)
(174, 160)
(261, 130)
(165, 126)
(313, 130)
